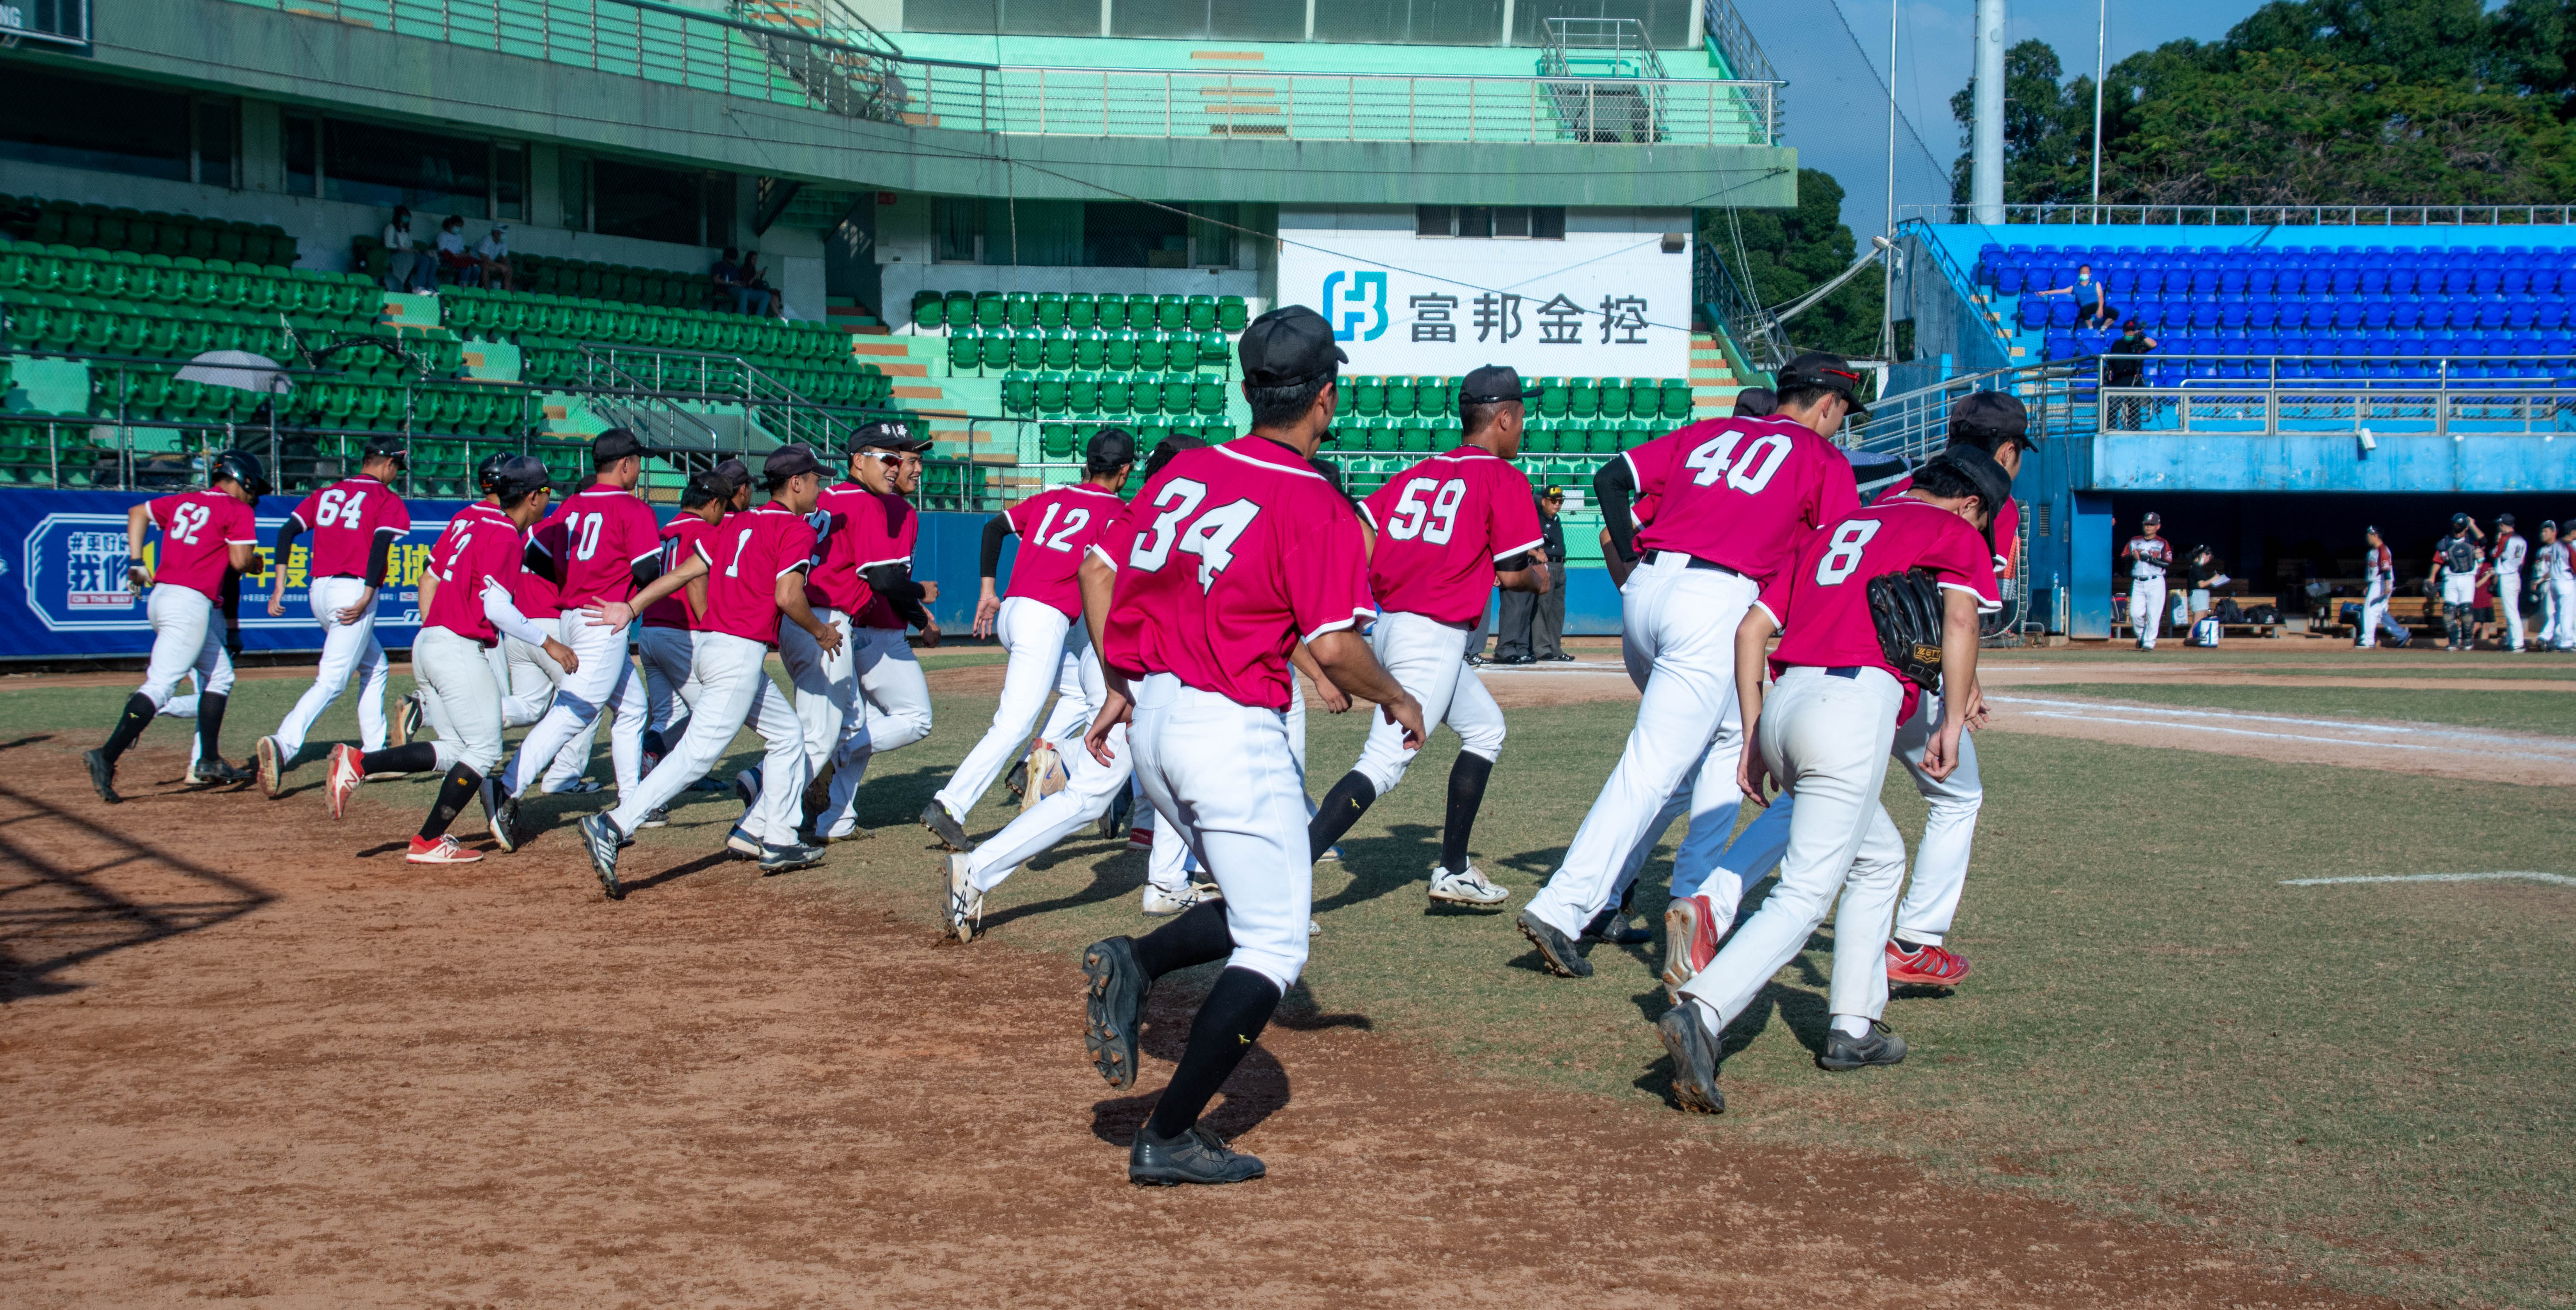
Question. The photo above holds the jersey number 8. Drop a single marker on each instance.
(1843, 552)
(1211, 536)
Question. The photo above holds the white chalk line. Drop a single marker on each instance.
(2559, 879)
(2243, 732)
(2181, 718)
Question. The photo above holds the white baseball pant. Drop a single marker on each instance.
(2508, 594)
(185, 639)
(2374, 614)
(2147, 608)
(2459, 589)
(603, 677)
(1044, 647)
(1168, 864)
(2562, 592)
(670, 677)
(1940, 859)
(827, 685)
(455, 676)
(897, 714)
(1429, 659)
(1828, 737)
(734, 690)
(346, 648)
(1678, 625)
(1225, 775)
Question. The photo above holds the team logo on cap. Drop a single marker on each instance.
(1364, 302)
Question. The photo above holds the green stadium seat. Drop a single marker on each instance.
(1171, 313)
(1200, 313)
(1180, 352)
(1368, 396)
(1397, 397)
(1082, 393)
(1050, 310)
(1645, 398)
(1090, 348)
(1141, 313)
(1216, 352)
(1109, 313)
(1231, 314)
(1019, 393)
(1178, 396)
(1676, 400)
(991, 310)
(1611, 397)
(1117, 394)
(1539, 437)
(959, 310)
(1635, 435)
(1151, 350)
(1056, 441)
(1144, 395)
(1051, 395)
(997, 350)
(1020, 309)
(927, 309)
(1119, 348)
(1208, 398)
(1582, 398)
(1028, 350)
(1059, 350)
(963, 352)
(1081, 311)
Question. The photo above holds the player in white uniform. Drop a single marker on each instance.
(355, 523)
(884, 702)
(2459, 560)
(1824, 733)
(2149, 555)
(1447, 531)
(2510, 553)
(1040, 625)
(2378, 583)
(2550, 563)
(1704, 907)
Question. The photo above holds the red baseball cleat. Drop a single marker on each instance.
(443, 851)
(1691, 933)
(342, 776)
(1929, 966)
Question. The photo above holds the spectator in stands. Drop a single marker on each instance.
(492, 258)
(747, 299)
(2090, 308)
(2124, 365)
(412, 270)
(454, 259)
(758, 280)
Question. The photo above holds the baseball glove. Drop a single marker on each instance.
(1907, 609)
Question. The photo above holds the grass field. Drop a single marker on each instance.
(2371, 1081)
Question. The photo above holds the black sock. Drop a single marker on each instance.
(418, 757)
(1197, 936)
(139, 710)
(1466, 796)
(461, 784)
(1342, 807)
(653, 742)
(210, 726)
(1236, 1011)
(1907, 944)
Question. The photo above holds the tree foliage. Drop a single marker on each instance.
(1790, 252)
(2405, 102)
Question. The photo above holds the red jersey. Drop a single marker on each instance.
(878, 528)
(1226, 560)
(345, 519)
(198, 530)
(1441, 526)
(1056, 528)
(596, 537)
(2007, 523)
(1742, 493)
(680, 539)
(480, 547)
(1821, 602)
(834, 582)
(746, 555)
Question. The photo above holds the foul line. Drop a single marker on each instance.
(2181, 718)
(2232, 732)
(2559, 878)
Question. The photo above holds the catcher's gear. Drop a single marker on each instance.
(2460, 555)
(243, 467)
(1907, 609)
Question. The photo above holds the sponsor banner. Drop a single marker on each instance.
(1598, 306)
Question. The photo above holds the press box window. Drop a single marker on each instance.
(1508, 222)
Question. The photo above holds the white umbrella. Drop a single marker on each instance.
(238, 369)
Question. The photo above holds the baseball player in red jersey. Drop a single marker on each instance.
(208, 539)
(1230, 556)
(1040, 624)
(600, 545)
(755, 567)
(666, 635)
(1738, 498)
(355, 523)
(883, 703)
(467, 604)
(1705, 901)
(1447, 530)
(1824, 734)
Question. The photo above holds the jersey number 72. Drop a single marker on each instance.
(1210, 536)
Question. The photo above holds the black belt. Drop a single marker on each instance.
(1844, 671)
(1656, 557)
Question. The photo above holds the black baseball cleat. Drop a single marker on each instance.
(950, 833)
(102, 775)
(1018, 778)
(599, 836)
(215, 771)
(1695, 1051)
(1114, 1000)
(1196, 1156)
(503, 820)
(1612, 926)
(787, 858)
(272, 768)
(1842, 1052)
(1555, 951)
(659, 818)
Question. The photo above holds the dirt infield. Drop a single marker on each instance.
(242, 1063)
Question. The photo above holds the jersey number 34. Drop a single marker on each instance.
(1210, 536)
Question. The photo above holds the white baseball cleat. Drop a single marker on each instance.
(343, 777)
(445, 850)
(965, 912)
(1161, 902)
(1466, 888)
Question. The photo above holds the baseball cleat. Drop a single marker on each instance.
(1843, 1052)
(1114, 1003)
(576, 787)
(746, 788)
(407, 716)
(341, 776)
(1018, 778)
(1159, 902)
(1555, 952)
(1141, 837)
(599, 836)
(1612, 926)
(272, 769)
(659, 818)
(1691, 935)
(742, 843)
(1196, 1156)
(787, 858)
(214, 771)
(1925, 964)
(1467, 888)
(502, 817)
(1695, 1051)
(950, 833)
(1332, 855)
(445, 850)
(965, 912)
(1113, 821)
(102, 775)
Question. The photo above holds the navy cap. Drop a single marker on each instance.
(1110, 448)
(1756, 402)
(1990, 418)
(517, 475)
(613, 445)
(387, 446)
(2504, 520)
(887, 434)
(2152, 517)
(1289, 346)
(787, 462)
(1494, 384)
(735, 473)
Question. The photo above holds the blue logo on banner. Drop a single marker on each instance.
(1363, 302)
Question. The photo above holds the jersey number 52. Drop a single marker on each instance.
(1210, 536)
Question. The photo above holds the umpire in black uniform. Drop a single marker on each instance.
(1531, 625)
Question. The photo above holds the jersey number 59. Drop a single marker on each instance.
(1210, 536)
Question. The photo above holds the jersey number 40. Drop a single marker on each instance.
(1748, 473)
(1210, 536)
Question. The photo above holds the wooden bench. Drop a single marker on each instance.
(2413, 613)
(2120, 625)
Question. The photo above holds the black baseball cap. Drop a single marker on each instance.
(788, 461)
(1289, 346)
(1994, 486)
(734, 473)
(2459, 521)
(387, 447)
(1552, 493)
(1756, 402)
(1493, 384)
(1831, 372)
(517, 475)
(887, 434)
(1166, 450)
(2504, 520)
(1990, 418)
(613, 445)
(1109, 448)
(2152, 517)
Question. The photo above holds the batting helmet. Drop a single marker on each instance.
(243, 467)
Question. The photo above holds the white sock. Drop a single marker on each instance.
(1851, 1025)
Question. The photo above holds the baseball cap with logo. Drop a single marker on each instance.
(787, 462)
(887, 434)
(1290, 346)
(1494, 384)
(517, 475)
(2152, 517)
(388, 446)
(1831, 372)
(1552, 493)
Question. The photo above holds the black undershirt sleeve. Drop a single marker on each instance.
(379, 558)
(647, 569)
(990, 562)
(541, 563)
(902, 594)
(287, 532)
(1615, 488)
(1513, 563)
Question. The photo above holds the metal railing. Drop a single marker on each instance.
(1740, 316)
(861, 78)
(1582, 53)
(716, 377)
(2382, 395)
(2255, 215)
(1734, 40)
